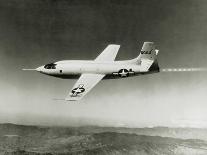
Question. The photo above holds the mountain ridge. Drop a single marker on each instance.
(38, 140)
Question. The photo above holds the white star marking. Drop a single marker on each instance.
(123, 73)
(78, 90)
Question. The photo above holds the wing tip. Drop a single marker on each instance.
(115, 45)
(71, 99)
(64, 99)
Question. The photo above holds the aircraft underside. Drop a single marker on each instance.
(108, 76)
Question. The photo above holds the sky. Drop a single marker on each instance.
(37, 32)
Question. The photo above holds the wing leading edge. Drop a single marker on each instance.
(109, 53)
(84, 84)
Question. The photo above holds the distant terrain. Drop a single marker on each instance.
(92, 140)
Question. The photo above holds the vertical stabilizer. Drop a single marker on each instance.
(148, 51)
(148, 56)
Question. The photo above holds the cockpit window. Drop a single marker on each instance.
(50, 66)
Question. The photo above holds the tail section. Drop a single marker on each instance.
(148, 57)
(148, 51)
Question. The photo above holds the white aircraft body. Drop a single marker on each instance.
(103, 67)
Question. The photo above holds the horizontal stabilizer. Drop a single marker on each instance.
(146, 64)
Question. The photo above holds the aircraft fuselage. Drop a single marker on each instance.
(72, 69)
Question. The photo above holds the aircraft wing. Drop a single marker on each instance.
(84, 84)
(109, 53)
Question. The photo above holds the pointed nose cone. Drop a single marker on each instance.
(39, 69)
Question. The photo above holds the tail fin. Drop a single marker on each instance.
(148, 51)
(148, 57)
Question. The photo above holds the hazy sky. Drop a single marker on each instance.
(36, 32)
